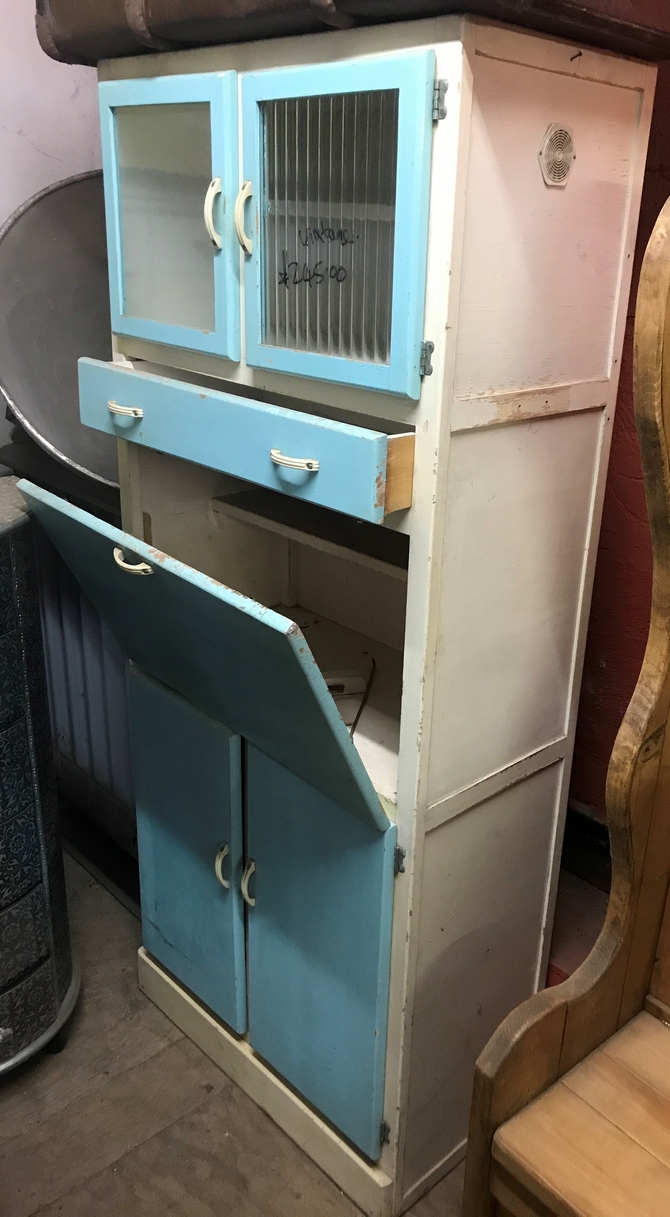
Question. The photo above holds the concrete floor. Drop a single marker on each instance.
(132, 1120)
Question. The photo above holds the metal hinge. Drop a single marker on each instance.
(439, 100)
(385, 1133)
(425, 365)
(399, 860)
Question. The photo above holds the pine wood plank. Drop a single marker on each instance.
(630, 1087)
(513, 1199)
(643, 1046)
(399, 473)
(657, 1008)
(660, 978)
(578, 1163)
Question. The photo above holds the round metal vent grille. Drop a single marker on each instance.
(557, 155)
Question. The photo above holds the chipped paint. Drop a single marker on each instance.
(380, 489)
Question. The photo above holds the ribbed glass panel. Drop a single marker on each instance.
(165, 167)
(329, 223)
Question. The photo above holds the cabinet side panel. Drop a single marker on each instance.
(541, 264)
(519, 504)
(480, 936)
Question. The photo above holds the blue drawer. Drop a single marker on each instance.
(353, 470)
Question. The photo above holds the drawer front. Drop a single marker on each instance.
(247, 439)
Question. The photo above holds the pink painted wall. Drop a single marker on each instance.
(622, 592)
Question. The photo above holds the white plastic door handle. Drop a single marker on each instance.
(244, 193)
(293, 462)
(221, 854)
(133, 568)
(244, 883)
(125, 411)
(213, 189)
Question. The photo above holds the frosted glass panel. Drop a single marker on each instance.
(165, 166)
(329, 223)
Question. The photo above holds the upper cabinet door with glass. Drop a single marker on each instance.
(337, 168)
(170, 160)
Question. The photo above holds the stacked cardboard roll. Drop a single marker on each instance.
(84, 31)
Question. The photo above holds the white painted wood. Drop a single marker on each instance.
(338, 649)
(492, 409)
(368, 1186)
(358, 597)
(550, 250)
(625, 275)
(176, 507)
(428, 523)
(525, 300)
(309, 540)
(483, 897)
(433, 1176)
(470, 796)
(518, 513)
(558, 55)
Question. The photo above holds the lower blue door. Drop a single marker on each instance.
(187, 775)
(319, 946)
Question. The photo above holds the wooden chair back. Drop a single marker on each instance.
(554, 1030)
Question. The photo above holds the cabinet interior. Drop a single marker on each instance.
(343, 581)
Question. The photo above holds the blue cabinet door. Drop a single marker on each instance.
(319, 939)
(187, 777)
(337, 160)
(170, 167)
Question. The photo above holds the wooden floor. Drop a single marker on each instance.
(132, 1120)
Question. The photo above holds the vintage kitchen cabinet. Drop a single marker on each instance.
(368, 295)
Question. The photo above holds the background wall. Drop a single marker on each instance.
(48, 112)
(49, 127)
(622, 592)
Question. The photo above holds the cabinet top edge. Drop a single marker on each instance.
(477, 35)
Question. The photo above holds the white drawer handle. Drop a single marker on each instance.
(222, 853)
(126, 411)
(133, 568)
(244, 884)
(293, 462)
(244, 193)
(213, 189)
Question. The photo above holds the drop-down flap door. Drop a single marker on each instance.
(242, 664)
